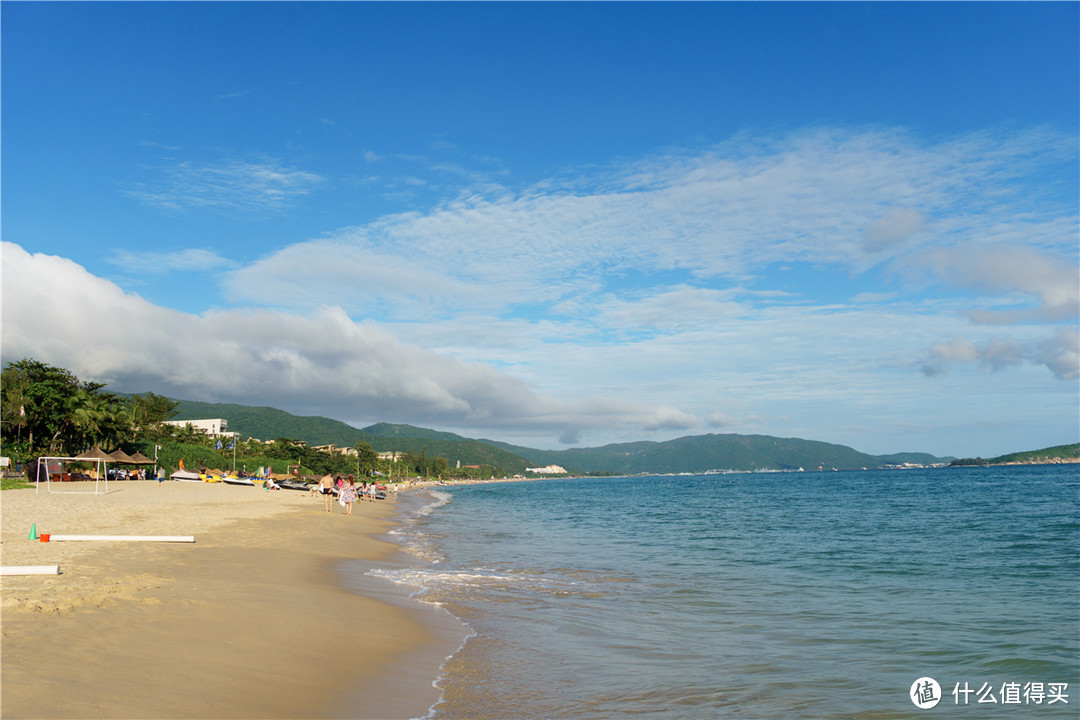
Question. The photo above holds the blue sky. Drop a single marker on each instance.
(557, 224)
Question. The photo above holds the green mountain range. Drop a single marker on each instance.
(691, 454)
(699, 453)
(385, 437)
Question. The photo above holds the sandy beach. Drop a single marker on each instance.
(250, 621)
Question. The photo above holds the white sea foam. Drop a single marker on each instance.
(430, 579)
(439, 499)
(438, 584)
(416, 543)
(438, 682)
(412, 539)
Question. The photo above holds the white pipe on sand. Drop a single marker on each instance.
(125, 538)
(30, 570)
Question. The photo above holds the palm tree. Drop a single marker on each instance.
(186, 433)
(146, 413)
(91, 420)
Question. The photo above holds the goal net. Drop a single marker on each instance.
(71, 475)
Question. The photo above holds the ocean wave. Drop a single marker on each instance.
(440, 498)
(430, 579)
(417, 543)
(443, 583)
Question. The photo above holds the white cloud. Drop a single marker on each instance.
(363, 277)
(57, 312)
(1017, 275)
(157, 263)
(870, 297)
(721, 420)
(894, 228)
(235, 185)
(1060, 353)
(721, 214)
(669, 309)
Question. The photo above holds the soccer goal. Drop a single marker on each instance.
(56, 471)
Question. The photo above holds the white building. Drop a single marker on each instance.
(336, 450)
(215, 427)
(547, 470)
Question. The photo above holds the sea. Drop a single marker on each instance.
(918, 593)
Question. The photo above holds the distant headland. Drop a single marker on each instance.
(1057, 455)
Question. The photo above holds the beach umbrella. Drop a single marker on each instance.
(120, 456)
(95, 454)
(99, 456)
(139, 459)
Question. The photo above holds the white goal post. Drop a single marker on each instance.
(43, 468)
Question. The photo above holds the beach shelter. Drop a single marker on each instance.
(139, 459)
(95, 454)
(122, 458)
(119, 456)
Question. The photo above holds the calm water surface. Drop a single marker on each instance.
(793, 595)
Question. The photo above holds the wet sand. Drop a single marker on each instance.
(250, 621)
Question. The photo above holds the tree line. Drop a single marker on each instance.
(48, 411)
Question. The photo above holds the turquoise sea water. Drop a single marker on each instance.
(782, 595)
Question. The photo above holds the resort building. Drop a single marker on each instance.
(335, 450)
(215, 427)
(547, 470)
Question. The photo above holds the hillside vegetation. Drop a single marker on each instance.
(1050, 454)
(701, 453)
(691, 454)
(267, 423)
(384, 437)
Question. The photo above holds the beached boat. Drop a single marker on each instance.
(232, 480)
(294, 485)
(186, 476)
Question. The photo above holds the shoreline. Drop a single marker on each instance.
(253, 620)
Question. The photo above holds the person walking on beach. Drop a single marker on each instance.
(348, 495)
(326, 489)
